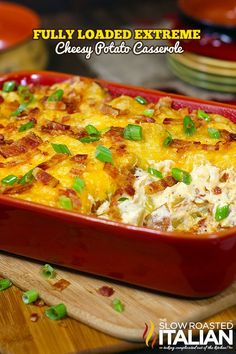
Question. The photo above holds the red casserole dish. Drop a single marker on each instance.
(177, 263)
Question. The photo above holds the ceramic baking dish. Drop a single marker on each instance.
(177, 263)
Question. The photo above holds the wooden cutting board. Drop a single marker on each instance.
(85, 304)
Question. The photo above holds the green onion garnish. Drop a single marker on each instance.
(91, 130)
(168, 140)
(203, 115)
(27, 98)
(181, 176)
(28, 177)
(103, 154)
(133, 132)
(23, 90)
(148, 112)
(30, 296)
(61, 149)
(9, 86)
(56, 312)
(122, 199)
(78, 184)
(222, 212)
(48, 271)
(9, 180)
(117, 305)
(89, 139)
(214, 133)
(19, 110)
(65, 202)
(155, 172)
(56, 96)
(140, 100)
(189, 126)
(26, 126)
(5, 284)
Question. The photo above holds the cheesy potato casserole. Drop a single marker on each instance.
(74, 146)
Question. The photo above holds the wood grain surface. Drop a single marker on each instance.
(20, 335)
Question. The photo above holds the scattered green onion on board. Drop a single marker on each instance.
(28, 177)
(65, 202)
(140, 100)
(203, 115)
(9, 86)
(48, 271)
(61, 149)
(189, 126)
(91, 130)
(78, 184)
(168, 140)
(26, 96)
(117, 305)
(133, 132)
(9, 180)
(56, 96)
(122, 199)
(181, 176)
(222, 212)
(5, 284)
(103, 154)
(89, 139)
(154, 172)
(214, 133)
(26, 126)
(30, 296)
(149, 112)
(56, 312)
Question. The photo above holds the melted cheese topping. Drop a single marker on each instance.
(117, 190)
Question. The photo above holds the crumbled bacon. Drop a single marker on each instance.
(1, 126)
(61, 284)
(53, 161)
(2, 139)
(111, 170)
(161, 185)
(168, 121)
(217, 190)
(106, 109)
(224, 177)
(227, 136)
(76, 171)
(16, 188)
(39, 302)
(70, 193)
(144, 119)
(65, 119)
(106, 291)
(162, 225)
(80, 158)
(1, 99)
(28, 142)
(52, 125)
(45, 178)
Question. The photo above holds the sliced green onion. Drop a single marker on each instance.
(155, 172)
(28, 177)
(122, 199)
(56, 312)
(148, 112)
(65, 202)
(9, 86)
(168, 140)
(30, 296)
(26, 126)
(203, 115)
(19, 110)
(89, 139)
(140, 100)
(91, 130)
(117, 305)
(181, 176)
(9, 180)
(5, 284)
(103, 154)
(23, 90)
(56, 96)
(133, 132)
(189, 126)
(78, 184)
(214, 133)
(27, 98)
(61, 149)
(48, 271)
(222, 212)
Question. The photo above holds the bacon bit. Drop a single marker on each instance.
(54, 160)
(1, 99)
(144, 119)
(130, 190)
(65, 119)
(52, 125)
(164, 102)
(115, 132)
(168, 121)
(39, 302)
(215, 147)
(162, 225)
(45, 178)
(70, 193)
(1, 126)
(61, 284)
(202, 223)
(76, 171)
(111, 170)
(95, 206)
(10, 127)
(2, 139)
(34, 317)
(124, 112)
(13, 105)
(161, 185)
(34, 111)
(106, 291)
(217, 190)
(224, 177)
(28, 142)
(16, 189)
(227, 136)
(108, 110)
(72, 106)
(80, 158)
